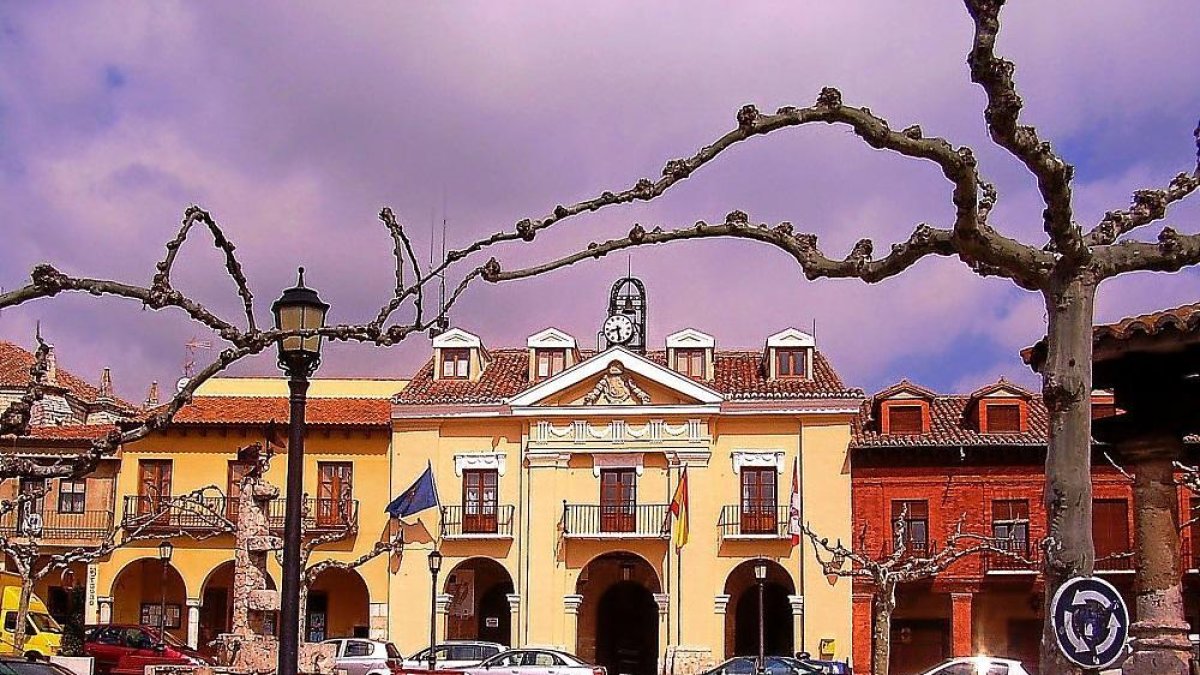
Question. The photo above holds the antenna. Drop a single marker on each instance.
(190, 348)
(629, 266)
(814, 331)
(442, 276)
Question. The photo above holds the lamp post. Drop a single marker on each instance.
(298, 309)
(165, 549)
(760, 576)
(435, 566)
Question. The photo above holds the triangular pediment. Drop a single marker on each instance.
(617, 377)
(1001, 389)
(550, 338)
(456, 338)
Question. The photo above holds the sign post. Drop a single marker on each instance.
(1091, 622)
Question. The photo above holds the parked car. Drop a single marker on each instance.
(534, 662)
(16, 666)
(128, 649)
(454, 654)
(827, 667)
(978, 665)
(776, 665)
(358, 656)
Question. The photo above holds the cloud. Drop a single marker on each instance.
(295, 123)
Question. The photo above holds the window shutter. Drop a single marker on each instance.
(905, 419)
(1003, 418)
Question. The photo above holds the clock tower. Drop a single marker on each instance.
(625, 324)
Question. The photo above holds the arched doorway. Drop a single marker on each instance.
(338, 606)
(216, 604)
(618, 617)
(741, 621)
(479, 610)
(139, 592)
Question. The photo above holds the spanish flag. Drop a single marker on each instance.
(679, 509)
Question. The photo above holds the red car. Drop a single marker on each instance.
(128, 649)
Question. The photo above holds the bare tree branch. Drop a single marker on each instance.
(1171, 253)
(1149, 206)
(18, 416)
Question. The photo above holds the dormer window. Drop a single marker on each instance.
(906, 419)
(1003, 418)
(791, 362)
(789, 355)
(456, 364)
(550, 362)
(690, 362)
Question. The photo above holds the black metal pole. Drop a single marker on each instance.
(289, 607)
(762, 660)
(433, 621)
(162, 605)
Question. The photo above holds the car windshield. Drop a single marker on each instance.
(392, 652)
(152, 633)
(44, 623)
(15, 667)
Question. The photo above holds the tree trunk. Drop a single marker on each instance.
(881, 642)
(22, 614)
(1067, 387)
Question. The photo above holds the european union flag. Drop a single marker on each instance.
(419, 496)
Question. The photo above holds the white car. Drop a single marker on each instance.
(454, 654)
(978, 665)
(535, 662)
(365, 657)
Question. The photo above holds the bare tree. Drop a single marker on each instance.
(1065, 269)
(31, 560)
(902, 565)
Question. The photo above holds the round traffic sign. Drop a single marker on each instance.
(1091, 622)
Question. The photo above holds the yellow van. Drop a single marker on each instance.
(43, 635)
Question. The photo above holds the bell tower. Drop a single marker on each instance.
(625, 324)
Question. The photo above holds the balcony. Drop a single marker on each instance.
(195, 515)
(51, 527)
(616, 521)
(1117, 561)
(738, 522)
(1013, 556)
(486, 522)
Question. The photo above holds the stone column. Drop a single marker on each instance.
(960, 624)
(193, 622)
(571, 605)
(663, 601)
(720, 607)
(443, 611)
(106, 604)
(514, 618)
(797, 603)
(1160, 640)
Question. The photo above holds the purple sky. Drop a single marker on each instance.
(294, 125)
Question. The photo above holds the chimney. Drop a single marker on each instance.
(152, 395)
(106, 390)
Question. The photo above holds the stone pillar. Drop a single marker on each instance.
(960, 624)
(514, 619)
(193, 622)
(720, 607)
(797, 603)
(663, 601)
(1160, 640)
(571, 605)
(443, 611)
(378, 628)
(105, 603)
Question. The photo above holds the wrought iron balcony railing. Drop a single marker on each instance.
(206, 514)
(768, 521)
(1012, 555)
(49, 525)
(488, 521)
(603, 521)
(1115, 561)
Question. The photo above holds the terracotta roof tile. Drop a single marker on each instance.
(950, 427)
(738, 375)
(70, 432)
(1183, 319)
(359, 412)
(15, 362)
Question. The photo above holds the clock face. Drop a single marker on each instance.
(618, 329)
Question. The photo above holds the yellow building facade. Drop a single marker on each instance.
(556, 467)
(347, 462)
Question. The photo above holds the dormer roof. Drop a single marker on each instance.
(904, 389)
(457, 338)
(791, 337)
(1001, 388)
(550, 338)
(690, 338)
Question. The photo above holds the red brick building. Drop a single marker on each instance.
(977, 458)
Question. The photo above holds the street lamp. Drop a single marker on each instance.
(760, 575)
(165, 549)
(298, 309)
(435, 566)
